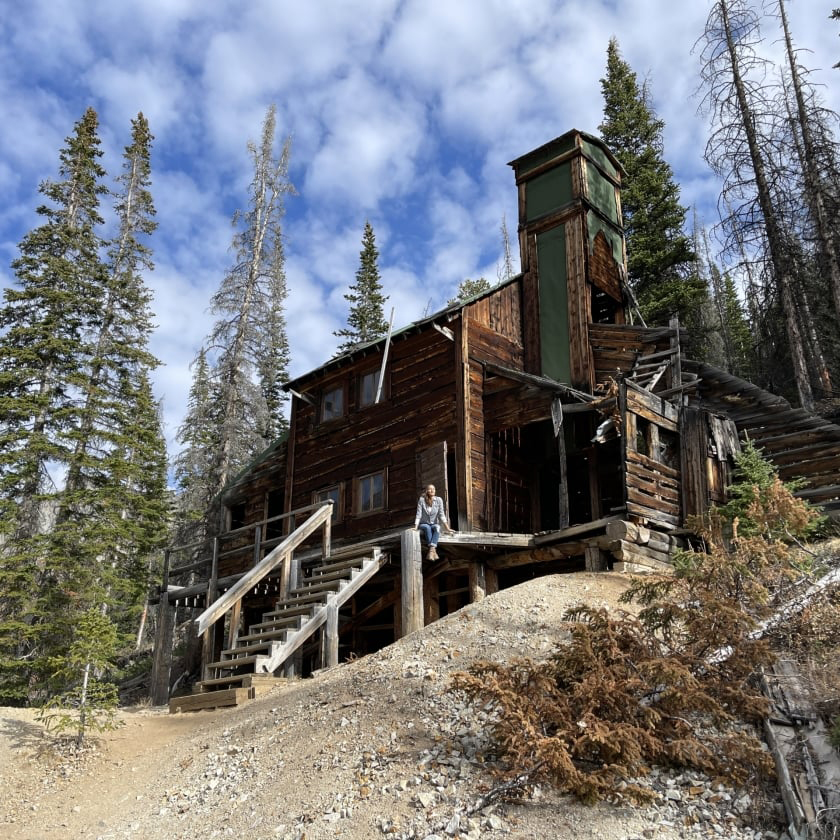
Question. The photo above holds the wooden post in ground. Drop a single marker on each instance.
(478, 581)
(208, 641)
(431, 602)
(596, 559)
(162, 663)
(412, 581)
(491, 577)
(330, 651)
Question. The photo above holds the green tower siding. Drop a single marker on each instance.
(548, 192)
(554, 306)
(602, 193)
(599, 156)
(527, 163)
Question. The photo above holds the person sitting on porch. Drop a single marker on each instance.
(430, 518)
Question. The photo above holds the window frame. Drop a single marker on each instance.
(322, 495)
(358, 494)
(374, 372)
(338, 389)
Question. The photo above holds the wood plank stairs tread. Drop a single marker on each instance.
(255, 656)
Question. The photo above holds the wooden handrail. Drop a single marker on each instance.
(273, 559)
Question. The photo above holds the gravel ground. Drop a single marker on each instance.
(373, 748)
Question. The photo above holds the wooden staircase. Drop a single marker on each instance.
(248, 664)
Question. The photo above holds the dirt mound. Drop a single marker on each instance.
(374, 748)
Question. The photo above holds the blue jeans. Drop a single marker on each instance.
(431, 533)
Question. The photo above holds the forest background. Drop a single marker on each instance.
(84, 468)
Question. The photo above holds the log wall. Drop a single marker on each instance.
(650, 433)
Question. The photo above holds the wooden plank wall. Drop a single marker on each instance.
(495, 334)
(603, 269)
(417, 411)
(802, 445)
(615, 347)
(580, 306)
(653, 487)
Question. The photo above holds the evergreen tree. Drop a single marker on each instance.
(366, 320)
(250, 326)
(469, 288)
(83, 541)
(659, 255)
(46, 325)
(198, 438)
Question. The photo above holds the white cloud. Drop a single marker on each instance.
(401, 111)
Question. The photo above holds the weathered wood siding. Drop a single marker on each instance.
(651, 458)
(617, 347)
(416, 411)
(801, 445)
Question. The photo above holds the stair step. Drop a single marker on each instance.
(339, 565)
(280, 615)
(210, 700)
(338, 574)
(280, 634)
(247, 649)
(319, 586)
(298, 601)
(239, 662)
(254, 681)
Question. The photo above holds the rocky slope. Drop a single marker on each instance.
(374, 748)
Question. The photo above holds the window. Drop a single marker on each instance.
(333, 493)
(371, 492)
(332, 404)
(368, 383)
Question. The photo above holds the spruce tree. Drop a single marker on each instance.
(87, 463)
(366, 320)
(469, 288)
(250, 325)
(198, 436)
(659, 254)
(46, 324)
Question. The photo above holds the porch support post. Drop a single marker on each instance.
(431, 604)
(331, 637)
(478, 581)
(162, 663)
(412, 581)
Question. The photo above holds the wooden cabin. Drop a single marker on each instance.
(560, 435)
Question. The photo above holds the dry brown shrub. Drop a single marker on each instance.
(673, 686)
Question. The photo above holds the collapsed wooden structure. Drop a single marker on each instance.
(560, 435)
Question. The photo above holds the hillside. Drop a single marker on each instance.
(373, 748)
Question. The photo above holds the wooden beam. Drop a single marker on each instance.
(330, 653)
(412, 582)
(478, 581)
(162, 662)
(431, 602)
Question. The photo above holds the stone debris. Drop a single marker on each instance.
(382, 747)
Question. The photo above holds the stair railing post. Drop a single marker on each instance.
(330, 642)
(209, 636)
(257, 543)
(326, 546)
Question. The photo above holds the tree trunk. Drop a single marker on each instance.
(811, 173)
(778, 258)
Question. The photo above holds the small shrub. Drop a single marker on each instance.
(87, 702)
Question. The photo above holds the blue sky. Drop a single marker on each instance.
(403, 112)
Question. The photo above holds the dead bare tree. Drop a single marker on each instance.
(742, 149)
